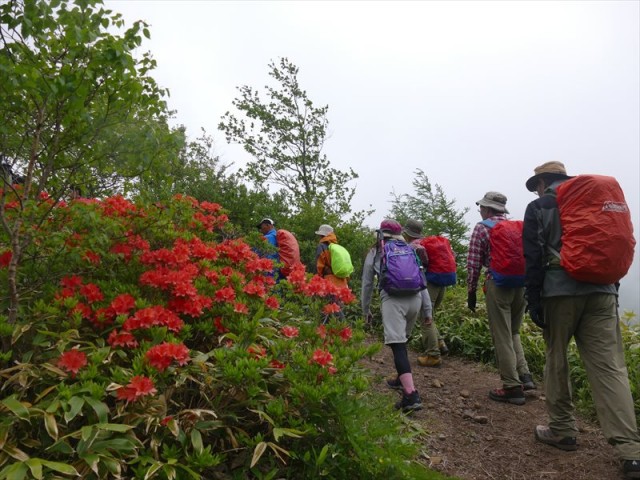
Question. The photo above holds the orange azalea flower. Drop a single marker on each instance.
(322, 331)
(321, 357)
(122, 339)
(346, 334)
(5, 258)
(91, 292)
(161, 356)
(290, 332)
(72, 361)
(276, 364)
(272, 303)
(91, 257)
(331, 308)
(240, 308)
(123, 304)
(139, 386)
(257, 351)
(226, 294)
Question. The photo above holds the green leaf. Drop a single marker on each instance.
(153, 469)
(60, 467)
(196, 440)
(76, 404)
(92, 460)
(17, 471)
(323, 455)
(101, 409)
(15, 452)
(18, 409)
(289, 432)
(35, 466)
(113, 427)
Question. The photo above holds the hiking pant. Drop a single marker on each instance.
(430, 333)
(399, 316)
(593, 321)
(505, 307)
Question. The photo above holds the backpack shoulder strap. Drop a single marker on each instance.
(488, 223)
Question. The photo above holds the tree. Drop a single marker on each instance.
(78, 110)
(435, 210)
(285, 136)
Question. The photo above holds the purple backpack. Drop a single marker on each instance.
(400, 269)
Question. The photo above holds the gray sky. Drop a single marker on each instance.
(476, 93)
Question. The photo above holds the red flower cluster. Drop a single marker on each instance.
(192, 306)
(156, 316)
(72, 361)
(346, 334)
(139, 386)
(117, 206)
(161, 356)
(331, 308)
(226, 294)
(257, 351)
(122, 304)
(289, 332)
(91, 292)
(321, 357)
(122, 339)
(5, 258)
(272, 303)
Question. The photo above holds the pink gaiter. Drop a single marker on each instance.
(406, 379)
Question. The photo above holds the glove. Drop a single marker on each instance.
(471, 301)
(537, 315)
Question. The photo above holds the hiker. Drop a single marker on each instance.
(505, 304)
(329, 257)
(402, 303)
(327, 237)
(565, 307)
(268, 230)
(433, 344)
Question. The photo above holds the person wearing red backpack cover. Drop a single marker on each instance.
(505, 305)
(566, 308)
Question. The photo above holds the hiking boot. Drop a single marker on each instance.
(430, 361)
(631, 468)
(409, 403)
(394, 383)
(545, 435)
(527, 381)
(444, 350)
(513, 395)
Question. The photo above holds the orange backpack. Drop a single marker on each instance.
(597, 233)
(507, 257)
(441, 269)
(289, 251)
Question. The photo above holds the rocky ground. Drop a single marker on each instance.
(473, 437)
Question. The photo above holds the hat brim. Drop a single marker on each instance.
(532, 183)
(411, 234)
(494, 206)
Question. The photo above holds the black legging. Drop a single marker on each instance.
(401, 358)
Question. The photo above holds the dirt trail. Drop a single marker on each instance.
(473, 438)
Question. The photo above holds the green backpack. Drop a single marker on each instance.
(341, 265)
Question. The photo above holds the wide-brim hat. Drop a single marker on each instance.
(265, 220)
(413, 228)
(494, 200)
(324, 230)
(553, 168)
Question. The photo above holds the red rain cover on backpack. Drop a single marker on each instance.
(289, 251)
(441, 269)
(597, 233)
(507, 255)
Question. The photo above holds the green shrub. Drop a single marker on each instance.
(148, 346)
